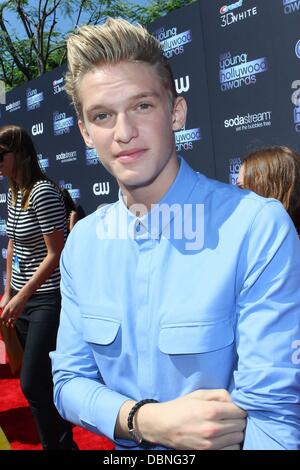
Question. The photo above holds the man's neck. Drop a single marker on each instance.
(139, 200)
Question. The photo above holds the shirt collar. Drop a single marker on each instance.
(174, 198)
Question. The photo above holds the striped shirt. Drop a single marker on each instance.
(26, 227)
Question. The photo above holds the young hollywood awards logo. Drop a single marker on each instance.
(296, 103)
(91, 156)
(237, 71)
(2, 228)
(74, 192)
(186, 138)
(229, 16)
(34, 99)
(62, 123)
(43, 162)
(172, 42)
(291, 6)
(234, 169)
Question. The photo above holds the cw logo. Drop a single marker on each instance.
(37, 128)
(184, 84)
(100, 189)
(3, 197)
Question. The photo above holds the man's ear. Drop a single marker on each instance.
(85, 134)
(179, 113)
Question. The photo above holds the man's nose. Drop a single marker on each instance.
(125, 128)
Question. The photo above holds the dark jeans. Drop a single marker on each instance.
(37, 330)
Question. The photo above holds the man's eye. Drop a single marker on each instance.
(143, 106)
(101, 117)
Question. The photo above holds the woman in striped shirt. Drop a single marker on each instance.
(36, 228)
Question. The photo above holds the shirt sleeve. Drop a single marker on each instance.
(80, 394)
(267, 379)
(49, 208)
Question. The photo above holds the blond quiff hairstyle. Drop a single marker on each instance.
(115, 41)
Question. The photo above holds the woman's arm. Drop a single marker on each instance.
(7, 291)
(73, 220)
(54, 242)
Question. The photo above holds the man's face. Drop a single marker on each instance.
(128, 118)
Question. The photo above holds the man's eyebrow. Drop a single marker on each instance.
(146, 94)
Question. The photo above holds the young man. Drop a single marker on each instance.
(185, 291)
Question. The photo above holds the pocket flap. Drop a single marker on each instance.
(195, 338)
(99, 330)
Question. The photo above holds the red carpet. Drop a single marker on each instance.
(18, 424)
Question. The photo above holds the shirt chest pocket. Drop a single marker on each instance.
(195, 338)
(101, 330)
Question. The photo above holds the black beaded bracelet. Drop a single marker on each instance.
(132, 431)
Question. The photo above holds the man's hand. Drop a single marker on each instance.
(201, 420)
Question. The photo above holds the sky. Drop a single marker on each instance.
(65, 25)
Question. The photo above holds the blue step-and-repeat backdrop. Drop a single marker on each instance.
(236, 63)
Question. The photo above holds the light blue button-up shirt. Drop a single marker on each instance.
(158, 308)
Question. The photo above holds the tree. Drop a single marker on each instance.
(158, 8)
(41, 45)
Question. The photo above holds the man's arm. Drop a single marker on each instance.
(267, 381)
(80, 395)
(201, 420)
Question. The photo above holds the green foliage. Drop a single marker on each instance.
(158, 8)
(41, 46)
